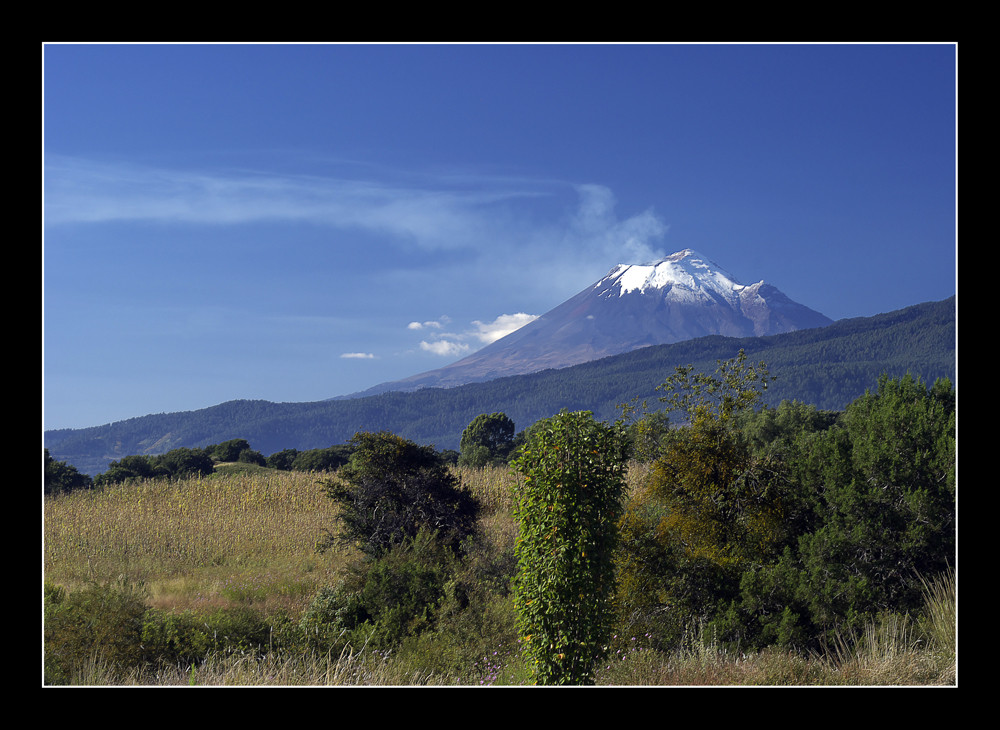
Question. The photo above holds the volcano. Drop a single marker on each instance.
(680, 297)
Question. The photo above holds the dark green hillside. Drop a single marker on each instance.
(827, 367)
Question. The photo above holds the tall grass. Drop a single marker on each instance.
(220, 539)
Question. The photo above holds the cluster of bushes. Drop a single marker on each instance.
(793, 526)
(112, 623)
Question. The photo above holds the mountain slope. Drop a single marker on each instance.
(681, 297)
(827, 367)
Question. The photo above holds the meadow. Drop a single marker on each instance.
(236, 554)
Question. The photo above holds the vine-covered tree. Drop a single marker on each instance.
(567, 506)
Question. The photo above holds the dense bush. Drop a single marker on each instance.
(381, 601)
(391, 489)
(792, 526)
(100, 622)
(710, 510)
(328, 459)
(282, 460)
(884, 483)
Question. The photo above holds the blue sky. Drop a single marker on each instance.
(296, 222)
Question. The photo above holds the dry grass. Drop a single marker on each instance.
(195, 542)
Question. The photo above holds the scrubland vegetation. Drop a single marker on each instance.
(770, 547)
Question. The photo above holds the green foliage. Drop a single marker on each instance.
(385, 599)
(228, 451)
(61, 477)
(317, 460)
(178, 463)
(567, 507)
(648, 435)
(185, 638)
(392, 488)
(487, 440)
(735, 388)
(282, 460)
(886, 482)
(711, 510)
(236, 450)
(128, 468)
(100, 621)
(183, 462)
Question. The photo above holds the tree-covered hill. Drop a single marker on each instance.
(827, 367)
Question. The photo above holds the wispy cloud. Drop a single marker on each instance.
(357, 356)
(434, 214)
(433, 324)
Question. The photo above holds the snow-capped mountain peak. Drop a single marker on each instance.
(683, 276)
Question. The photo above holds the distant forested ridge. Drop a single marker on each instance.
(827, 367)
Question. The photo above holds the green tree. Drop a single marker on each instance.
(886, 509)
(488, 439)
(60, 477)
(229, 451)
(135, 466)
(710, 510)
(567, 506)
(282, 460)
(392, 488)
(184, 462)
(328, 459)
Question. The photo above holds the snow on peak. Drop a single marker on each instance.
(684, 275)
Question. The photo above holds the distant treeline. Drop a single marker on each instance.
(826, 367)
(183, 462)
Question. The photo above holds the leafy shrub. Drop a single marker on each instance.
(102, 621)
(391, 489)
(386, 599)
(282, 460)
(885, 480)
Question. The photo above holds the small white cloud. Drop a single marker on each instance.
(445, 347)
(502, 326)
(424, 325)
(358, 356)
